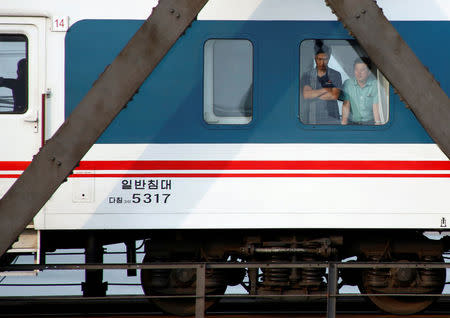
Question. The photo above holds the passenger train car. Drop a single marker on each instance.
(220, 154)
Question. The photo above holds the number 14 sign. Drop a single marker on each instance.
(60, 24)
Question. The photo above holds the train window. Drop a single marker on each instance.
(340, 86)
(13, 73)
(228, 81)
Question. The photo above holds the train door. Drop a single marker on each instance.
(22, 82)
(22, 50)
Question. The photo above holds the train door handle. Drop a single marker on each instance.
(33, 117)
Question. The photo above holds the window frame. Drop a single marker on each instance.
(27, 57)
(208, 87)
(388, 94)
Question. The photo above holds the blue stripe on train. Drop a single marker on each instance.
(168, 107)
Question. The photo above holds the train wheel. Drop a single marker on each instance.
(179, 282)
(403, 281)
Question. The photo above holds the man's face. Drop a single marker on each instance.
(322, 61)
(361, 72)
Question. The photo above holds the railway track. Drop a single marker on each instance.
(135, 306)
(342, 305)
(329, 304)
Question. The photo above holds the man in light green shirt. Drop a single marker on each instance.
(360, 97)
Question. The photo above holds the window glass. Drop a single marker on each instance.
(228, 81)
(13, 73)
(339, 85)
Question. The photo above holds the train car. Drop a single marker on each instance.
(244, 144)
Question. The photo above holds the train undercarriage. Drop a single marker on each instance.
(294, 247)
(391, 288)
(261, 256)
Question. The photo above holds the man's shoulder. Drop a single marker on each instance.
(308, 72)
(350, 81)
(307, 77)
(333, 71)
(372, 84)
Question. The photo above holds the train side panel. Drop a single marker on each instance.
(160, 165)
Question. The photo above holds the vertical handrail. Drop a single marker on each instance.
(43, 109)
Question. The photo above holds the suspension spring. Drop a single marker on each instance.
(430, 277)
(276, 276)
(311, 276)
(378, 277)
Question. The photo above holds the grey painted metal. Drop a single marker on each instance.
(332, 290)
(109, 94)
(284, 250)
(414, 83)
(250, 266)
(200, 291)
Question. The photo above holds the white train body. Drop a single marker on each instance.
(171, 180)
(222, 156)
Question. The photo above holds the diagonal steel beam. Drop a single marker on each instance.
(112, 90)
(386, 48)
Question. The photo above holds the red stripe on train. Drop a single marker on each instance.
(262, 175)
(244, 165)
(249, 175)
(264, 165)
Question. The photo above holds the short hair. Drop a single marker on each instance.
(22, 67)
(22, 64)
(363, 60)
(320, 47)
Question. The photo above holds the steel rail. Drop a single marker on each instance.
(331, 295)
(137, 307)
(214, 265)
